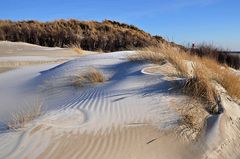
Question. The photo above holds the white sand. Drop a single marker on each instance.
(129, 116)
(129, 97)
(18, 54)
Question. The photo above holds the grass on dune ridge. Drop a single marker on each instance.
(199, 72)
(147, 54)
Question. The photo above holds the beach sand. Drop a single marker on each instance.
(132, 115)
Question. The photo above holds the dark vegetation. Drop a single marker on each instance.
(105, 36)
(88, 35)
(223, 57)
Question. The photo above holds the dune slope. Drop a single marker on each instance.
(130, 115)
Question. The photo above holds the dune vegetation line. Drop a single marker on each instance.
(219, 54)
(88, 35)
(199, 73)
(106, 36)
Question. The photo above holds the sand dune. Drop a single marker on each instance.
(131, 115)
(128, 99)
(18, 54)
(132, 142)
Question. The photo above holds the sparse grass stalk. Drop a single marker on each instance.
(24, 115)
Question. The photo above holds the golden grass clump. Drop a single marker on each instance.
(230, 81)
(199, 86)
(95, 76)
(177, 58)
(226, 77)
(20, 118)
(198, 83)
(161, 55)
(207, 71)
(92, 76)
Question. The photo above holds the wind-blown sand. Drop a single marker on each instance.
(131, 115)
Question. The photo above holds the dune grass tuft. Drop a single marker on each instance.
(200, 87)
(24, 115)
(178, 59)
(95, 76)
(92, 76)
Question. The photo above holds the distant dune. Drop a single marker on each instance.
(106, 36)
(88, 35)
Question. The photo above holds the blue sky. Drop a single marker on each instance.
(181, 21)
